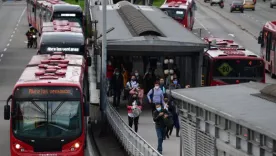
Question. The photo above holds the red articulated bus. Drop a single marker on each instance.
(40, 11)
(182, 11)
(222, 66)
(267, 39)
(48, 107)
(63, 36)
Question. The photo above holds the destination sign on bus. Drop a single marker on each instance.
(47, 92)
(67, 49)
(68, 15)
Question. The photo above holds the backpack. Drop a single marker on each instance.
(151, 95)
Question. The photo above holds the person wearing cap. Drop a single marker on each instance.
(155, 96)
(117, 85)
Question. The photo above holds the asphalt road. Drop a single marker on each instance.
(216, 22)
(13, 57)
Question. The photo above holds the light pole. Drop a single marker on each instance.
(103, 101)
(169, 72)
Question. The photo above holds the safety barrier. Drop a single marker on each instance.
(134, 144)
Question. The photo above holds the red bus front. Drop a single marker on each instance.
(225, 71)
(182, 15)
(47, 120)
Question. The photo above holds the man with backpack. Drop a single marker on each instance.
(155, 95)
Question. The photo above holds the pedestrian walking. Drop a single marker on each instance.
(117, 86)
(159, 115)
(134, 110)
(173, 110)
(169, 120)
(155, 95)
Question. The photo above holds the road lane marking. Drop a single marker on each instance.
(11, 36)
(21, 15)
(231, 35)
(13, 32)
(10, 40)
(8, 44)
(201, 24)
(2, 55)
(5, 49)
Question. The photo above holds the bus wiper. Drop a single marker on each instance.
(61, 103)
(36, 105)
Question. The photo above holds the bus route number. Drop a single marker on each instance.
(225, 69)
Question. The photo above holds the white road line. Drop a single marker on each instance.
(1, 55)
(11, 36)
(201, 24)
(15, 28)
(22, 15)
(8, 44)
(13, 32)
(10, 40)
(209, 32)
(5, 49)
(231, 35)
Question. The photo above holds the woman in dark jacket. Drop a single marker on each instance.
(172, 110)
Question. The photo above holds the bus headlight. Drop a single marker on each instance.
(19, 147)
(75, 146)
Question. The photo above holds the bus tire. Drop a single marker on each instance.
(271, 73)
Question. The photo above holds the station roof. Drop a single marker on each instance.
(67, 69)
(146, 26)
(241, 103)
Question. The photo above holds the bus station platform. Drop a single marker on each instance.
(146, 129)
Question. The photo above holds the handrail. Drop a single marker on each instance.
(133, 143)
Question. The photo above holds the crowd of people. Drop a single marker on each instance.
(134, 87)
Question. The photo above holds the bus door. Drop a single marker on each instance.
(268, 37)
(273, 51)
(38, 17)
(33, 12)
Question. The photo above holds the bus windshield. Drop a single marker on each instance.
(247, 70)
(71, 17)
(44, 119)
(177, 14)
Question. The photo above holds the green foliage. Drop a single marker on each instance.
(79, 2)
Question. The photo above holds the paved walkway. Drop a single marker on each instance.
(146, 129)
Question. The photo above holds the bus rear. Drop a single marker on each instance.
(48, 109)
(232, 67)
(72, 13)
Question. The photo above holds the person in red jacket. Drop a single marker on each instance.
(134, 110)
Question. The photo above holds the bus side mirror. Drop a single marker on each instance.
(7, 109)
(86, 106)
(89, 61)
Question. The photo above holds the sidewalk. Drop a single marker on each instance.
(146, 129)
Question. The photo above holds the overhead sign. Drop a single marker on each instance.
(55, 49)
(47, 92)
(225, 69)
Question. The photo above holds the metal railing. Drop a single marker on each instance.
(133, 143)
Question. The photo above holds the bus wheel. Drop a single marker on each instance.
(271, 73)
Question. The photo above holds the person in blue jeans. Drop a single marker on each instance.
(158, 117)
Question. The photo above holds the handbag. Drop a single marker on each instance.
(136, 111)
